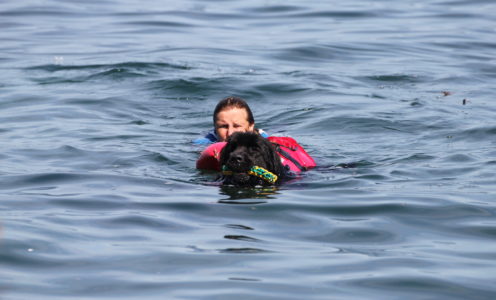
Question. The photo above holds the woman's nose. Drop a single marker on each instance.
(230, 131)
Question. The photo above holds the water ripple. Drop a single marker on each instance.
(100, 198)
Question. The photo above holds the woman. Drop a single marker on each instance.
(232, 114)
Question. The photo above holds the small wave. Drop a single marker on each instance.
(422, 286)
(159, 24)
(390, 78)
(244, 251)
(485, 133)
(124, 65)
(63, 74)
(274, 9)
(309, 54)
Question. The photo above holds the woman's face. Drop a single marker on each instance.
(232, 120)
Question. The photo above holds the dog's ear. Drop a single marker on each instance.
(271, 158)
(224, 153)
(228, 148)
(278, 167)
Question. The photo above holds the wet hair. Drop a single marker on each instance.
(233, 102)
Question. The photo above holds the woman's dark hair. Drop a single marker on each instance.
(233, 102)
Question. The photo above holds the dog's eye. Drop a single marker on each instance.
(254, 149)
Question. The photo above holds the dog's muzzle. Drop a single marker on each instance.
(239, 162)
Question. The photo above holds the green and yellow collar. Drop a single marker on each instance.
(256, 171)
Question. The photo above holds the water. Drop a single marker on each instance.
(100, 198)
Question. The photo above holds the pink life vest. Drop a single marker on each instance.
(210, 157)
(292, 155)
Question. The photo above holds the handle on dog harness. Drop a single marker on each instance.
(288, 156)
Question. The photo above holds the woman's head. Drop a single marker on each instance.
(232, 114)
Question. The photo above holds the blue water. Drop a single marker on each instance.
(100, 198)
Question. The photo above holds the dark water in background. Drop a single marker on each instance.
(99, 197)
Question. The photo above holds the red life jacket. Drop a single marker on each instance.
(292, 155)
(210, 157)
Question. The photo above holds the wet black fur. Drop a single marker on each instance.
(245, 150)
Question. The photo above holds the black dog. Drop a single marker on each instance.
(248, 159)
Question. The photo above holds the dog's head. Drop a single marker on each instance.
(249, 160)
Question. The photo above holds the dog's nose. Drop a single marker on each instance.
(237, 158)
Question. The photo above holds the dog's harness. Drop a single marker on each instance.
(255, 171)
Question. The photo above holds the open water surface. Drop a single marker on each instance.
(100, 198)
